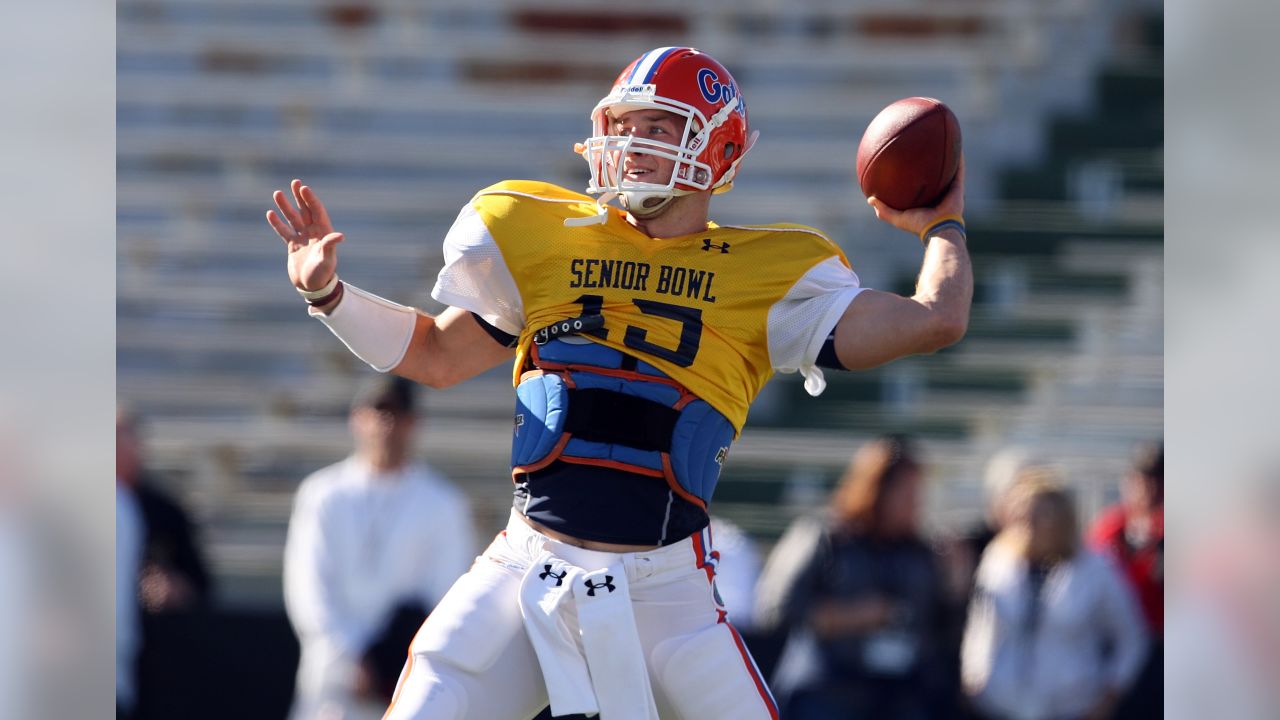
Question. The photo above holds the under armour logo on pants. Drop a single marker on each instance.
(592, 587)
(559, 578)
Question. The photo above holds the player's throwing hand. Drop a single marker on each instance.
(306, 230)
(917, 220)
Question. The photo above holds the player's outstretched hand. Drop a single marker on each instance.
(304, 226)
(917, 220)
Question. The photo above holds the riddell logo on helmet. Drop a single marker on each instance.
(622, 90)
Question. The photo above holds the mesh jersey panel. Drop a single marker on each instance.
(475, 275)
(801, 321)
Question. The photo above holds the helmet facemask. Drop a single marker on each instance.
(605, 153)
(704, 156)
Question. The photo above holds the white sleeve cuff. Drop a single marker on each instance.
(800, 322)
(814, 381)
(376, 330)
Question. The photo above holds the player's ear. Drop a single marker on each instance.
(729, 150)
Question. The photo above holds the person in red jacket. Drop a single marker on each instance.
(1132, 533)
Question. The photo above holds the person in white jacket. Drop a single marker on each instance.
(370, 534)
(1053, 631)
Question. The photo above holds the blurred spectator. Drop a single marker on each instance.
(374, 542)
(1132, 534)
(963, 553)
(173, 575)
(737, 571)
(129, 533)
(1001, 472)
(1053, 630)
(863, 596)
(129, 550)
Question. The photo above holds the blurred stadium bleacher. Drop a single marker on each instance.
(397, 111)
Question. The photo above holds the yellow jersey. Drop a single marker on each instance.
(700, 307)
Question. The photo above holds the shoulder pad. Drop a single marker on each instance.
(534, 189)
(543, 199)
(788, 228)
(796, 234)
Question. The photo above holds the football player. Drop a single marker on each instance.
(638, 335)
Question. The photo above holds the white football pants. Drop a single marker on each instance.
(472, 658)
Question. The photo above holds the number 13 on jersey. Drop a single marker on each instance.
(690, 320)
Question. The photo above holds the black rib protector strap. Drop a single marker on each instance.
(598, 415)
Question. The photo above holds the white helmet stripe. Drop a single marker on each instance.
(644, 69)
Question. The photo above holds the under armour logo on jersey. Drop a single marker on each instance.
(519, 421)
(546, 572)
(707, 245)
(721, 455)
(593, 587)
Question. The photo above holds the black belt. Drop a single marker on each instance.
(606, 416)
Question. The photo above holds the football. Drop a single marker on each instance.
(909, 153)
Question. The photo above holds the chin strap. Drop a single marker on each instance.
(600, 218)
(635, 202)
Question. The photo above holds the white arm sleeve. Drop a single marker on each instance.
(475, 276)
(801, 321)
(374, 329)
